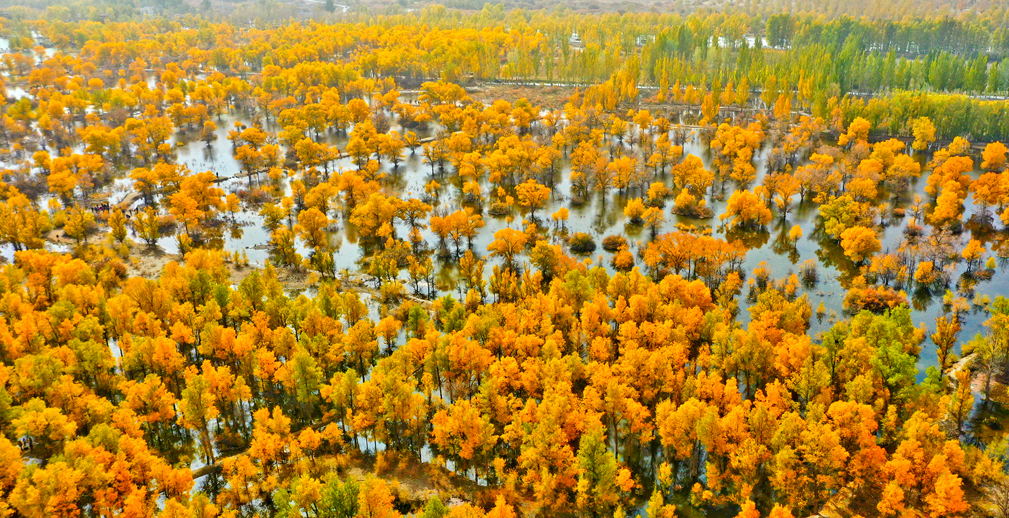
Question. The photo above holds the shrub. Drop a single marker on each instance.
(581, 243)
(499, 209)
(623, 260)
(808, 273)
(877, 299)
(613, 243)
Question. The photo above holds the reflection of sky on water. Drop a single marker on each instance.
(598, 217)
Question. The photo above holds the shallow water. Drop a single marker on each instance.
(600, 217)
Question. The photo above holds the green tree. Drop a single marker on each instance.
(597, 487)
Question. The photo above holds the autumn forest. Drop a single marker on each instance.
(298, 258)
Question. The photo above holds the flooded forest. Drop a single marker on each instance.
(306, 259)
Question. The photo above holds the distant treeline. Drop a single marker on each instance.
(956, 65)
